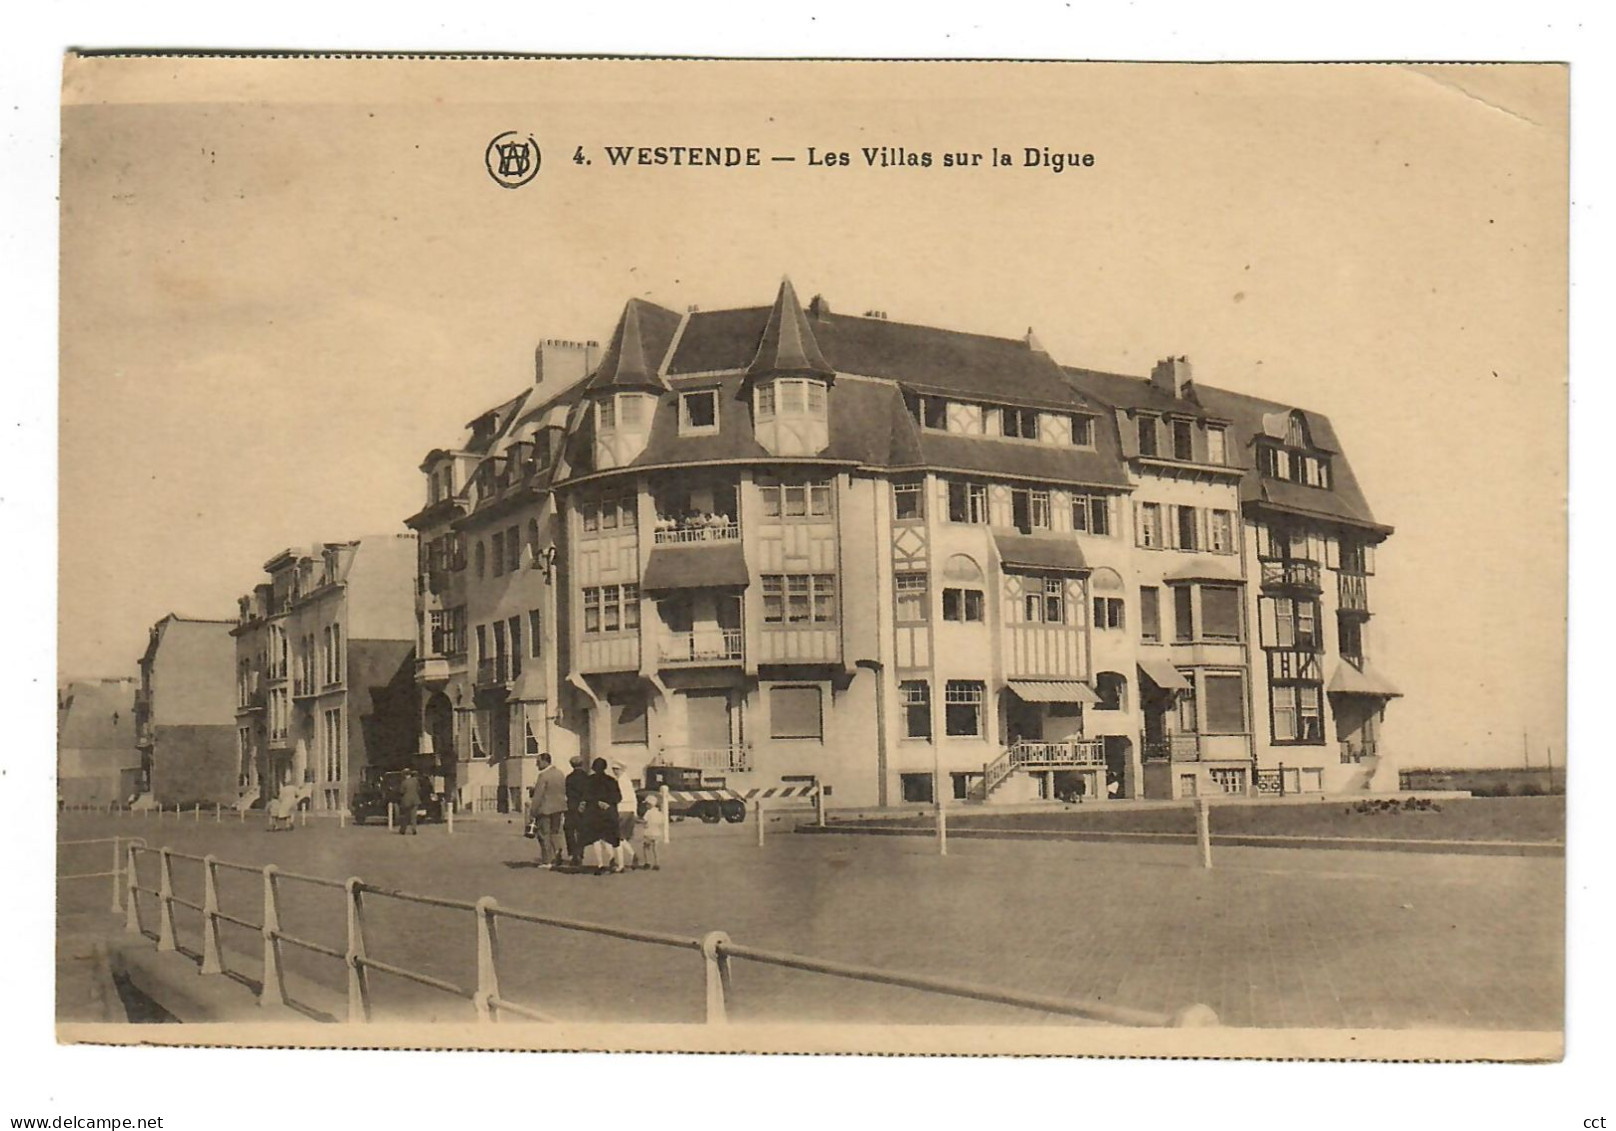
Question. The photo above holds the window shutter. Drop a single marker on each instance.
(1265, 541)
(1267, 627)
(1203, 528)
(1369, 558)
(1332, 552)
(1170, 526)
(1138, 523)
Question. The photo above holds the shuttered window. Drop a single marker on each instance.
(1223, 703)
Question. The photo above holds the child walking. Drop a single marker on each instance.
(653, 829)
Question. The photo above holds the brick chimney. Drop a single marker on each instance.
(562, 362)
(1172, 375)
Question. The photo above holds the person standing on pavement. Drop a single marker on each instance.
(653, 830)
(628, 814)
(600, 824)
(409, 800)
(549, 809)
(577, 783)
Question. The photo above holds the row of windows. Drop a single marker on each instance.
(506, 637)
(1297, 467)
(799, 598)
(941, 415)
(1181, 440)
(1200, 612)
(1177, 527)
(611, 608)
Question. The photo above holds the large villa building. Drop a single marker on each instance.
(779, 541)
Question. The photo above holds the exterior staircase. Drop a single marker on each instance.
(1071, 754)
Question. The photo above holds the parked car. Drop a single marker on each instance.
(379, 790)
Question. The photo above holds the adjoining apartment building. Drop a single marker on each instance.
(778, 541)
(324, 684)
(97, 762)
(183, 725)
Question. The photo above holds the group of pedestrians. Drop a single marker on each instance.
(590, 817)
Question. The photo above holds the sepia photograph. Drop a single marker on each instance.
(812, 556)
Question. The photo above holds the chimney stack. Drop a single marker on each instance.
(1172, 376)
(1033, 343)
(563, 362)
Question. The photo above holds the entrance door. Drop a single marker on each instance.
(1024, 722)
(707, 719)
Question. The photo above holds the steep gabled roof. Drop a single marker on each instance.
(1342, 501)
(922, 358)
(788, 347)
(634, 355)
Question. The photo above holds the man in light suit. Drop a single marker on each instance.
(548, 808)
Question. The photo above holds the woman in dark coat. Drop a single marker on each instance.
(601, 795)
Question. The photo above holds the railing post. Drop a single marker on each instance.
(218, 813)
(487, 961)
(667, 816)
(358, 980)
(212, 959)
(716, 964)
(342, 817)
(759, 815)
(1282, 779)
(131, 911)
(117, 875)
(274, 987)
(448, 816)
(1203, 831)
(196, 812)
(390, 816)
(165, 901)
(819, 802)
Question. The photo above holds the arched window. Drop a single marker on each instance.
(962, 567)
(1112, 688)
(1105, 580)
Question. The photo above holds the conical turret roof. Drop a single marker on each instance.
(633, 355)
(788, 347)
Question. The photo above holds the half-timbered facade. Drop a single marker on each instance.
(777, 540)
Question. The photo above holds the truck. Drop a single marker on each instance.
(686, 779)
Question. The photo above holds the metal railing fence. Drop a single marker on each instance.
(716, 949)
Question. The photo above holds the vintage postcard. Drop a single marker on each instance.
(813, 556)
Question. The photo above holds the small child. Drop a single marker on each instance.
(653, 829)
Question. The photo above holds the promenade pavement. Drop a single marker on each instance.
(1269, 937)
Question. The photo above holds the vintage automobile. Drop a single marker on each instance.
(380, 789)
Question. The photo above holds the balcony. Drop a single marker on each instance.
(1353, 591)
(717, 646)
(679, 532)
(1072, 752)
(302, 688)
(432, 669)
(735, 758)
(1291, 574)
(1172, 747)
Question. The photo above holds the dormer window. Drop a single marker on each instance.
(1147, 435)
(934, 413)
(787, 397)
(606, 415)
(698, 412)
(1296, 467)
(1019, 423)
(1183, 440)
(1083, 431)
(1216, 449)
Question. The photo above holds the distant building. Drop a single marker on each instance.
(777, 541)
(324, 675)
(97, 762)
(184, 718)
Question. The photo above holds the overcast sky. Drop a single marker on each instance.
(284, 283)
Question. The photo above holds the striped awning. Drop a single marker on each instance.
(1052, 691)
(1163, 674)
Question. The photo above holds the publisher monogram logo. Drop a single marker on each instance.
(512, 160)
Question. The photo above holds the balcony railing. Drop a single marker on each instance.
(1355, 750)
(716, 647)
(1292, 574)
(671, 533)
(1172, 747)
(302, 687)
(1353, 589)
(1071, 752)
(493, 672)
(735, 758)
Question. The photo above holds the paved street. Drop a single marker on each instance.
(1270, 937)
